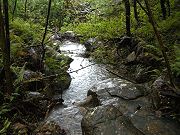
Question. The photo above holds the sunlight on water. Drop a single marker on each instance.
(83, 79)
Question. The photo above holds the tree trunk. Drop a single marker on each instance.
(168, 7)
(5, 44)
(25, 9)
(142, 7)
(44, 36)
(14, 9)
(158, 36)
(163, 8)
(136, 12)
(128, 14)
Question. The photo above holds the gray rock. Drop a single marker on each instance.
(151, 124)
(119, 88)
(89, 44)
(91, 100)
(107, 120)
(131, 57)
(129, 110)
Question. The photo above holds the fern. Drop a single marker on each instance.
(6, 125)
(20, 74)
(176, 65)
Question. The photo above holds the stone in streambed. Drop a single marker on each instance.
(107, 120)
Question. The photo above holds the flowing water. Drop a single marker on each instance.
(84, 73)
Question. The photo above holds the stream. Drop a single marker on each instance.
(90, 73)
(128, 120)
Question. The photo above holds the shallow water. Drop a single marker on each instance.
(84, 73)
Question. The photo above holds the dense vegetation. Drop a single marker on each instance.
(25, 46)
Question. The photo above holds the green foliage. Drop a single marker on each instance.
(57, 65)
(19, 71)
(153, 49)
(6, 125)
(103, 29)
(105, 54)
(176, 65)
(4, 121)
(23, 32)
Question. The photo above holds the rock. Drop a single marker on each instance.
(127, 42)
(107, 120)
(131, 57)
(49, 128)
(150, 124)
(120, 88)
(63, 82)
(70, 35)
(32, 57)
(89, 44)
(91, 100)
(32, 84)
(126, 108)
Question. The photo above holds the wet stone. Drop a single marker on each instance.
(107, 120)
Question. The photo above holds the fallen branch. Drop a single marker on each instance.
(120, 76)
(82, 68)
(42, 78)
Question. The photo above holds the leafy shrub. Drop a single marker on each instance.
(25, 32)
(103, 29)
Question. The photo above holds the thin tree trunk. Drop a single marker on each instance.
(142, 7)
(128, 14)
(168, 7)
(25, 9)
(163, 9)
(2, 32)
(44, 36)
(14, 9)
(136, 12)
(158, 36)
(5, 41)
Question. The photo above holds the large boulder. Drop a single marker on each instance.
(115, 88)
(107, 120)
(128, 109)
